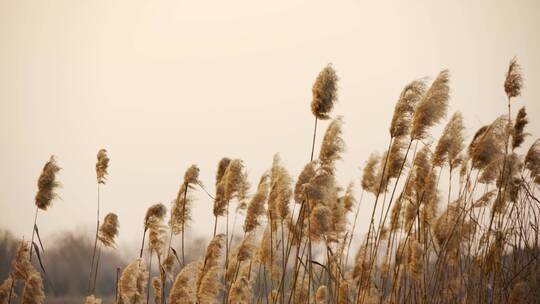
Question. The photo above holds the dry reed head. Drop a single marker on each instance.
(240, 292)
(109, 230)
(156, 286)
(101, 166)
(347, 199)
(21, 266)
(308, 172)
(280, 190)
(183, 289)
(404, 109)
(157, 235)
(132, 282)
(518, 135)
(395, 216)
(488, 143)
(514, 79)
(91, 299)
(396, 158)
(192, 175)
(222, 167)
(181, 206)
(321, 296)
(451, 142)
(432, 107)
(230, 183)
(33, 290)
(333, 144)
(255, 207)
(369, 174)
(47, 184)
(5, 289)
(156, 212)
(485, 199)
(324, 92)
(208, 280)
(532, 161)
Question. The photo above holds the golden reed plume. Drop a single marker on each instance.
(109, 230)
(47, 184)
(102, 165)
(324, 92)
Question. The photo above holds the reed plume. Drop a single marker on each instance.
(5, 289)
(255, 207)
(368, 181)
(132, 283)
(432, 107)
(47, 184)
(183, 290)
(532, 161)
(321, 296)
(307, 173)
(451, 142)
(324, 92)
(514, 79)
(156, 286)
(488, 143)
(33, 290)
(181, 208)
(108, 231)
(518, 135)
(333, 144)
(280, 190)
(208, 283)
(21, 266)
(404, 109)
(101, 166)
(91, 299)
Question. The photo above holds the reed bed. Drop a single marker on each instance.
(479, 244)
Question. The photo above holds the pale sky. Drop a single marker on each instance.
(166, 84)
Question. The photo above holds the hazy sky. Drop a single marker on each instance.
(166, 84)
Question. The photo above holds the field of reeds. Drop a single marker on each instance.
(288, 239)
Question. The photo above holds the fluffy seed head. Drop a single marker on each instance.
(91, 299)
(47, 184)
(369, 174)
(518, 135)
(514, 79)
(109, 230)
(324, 92)
(404, 109)
(256, 206)
(432, 107)
(451, 142)
(101, 166)
(333, 144)
(33, 290)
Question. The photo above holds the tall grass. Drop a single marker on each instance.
(478, 244)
